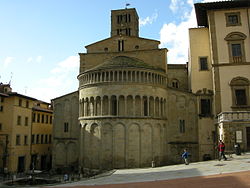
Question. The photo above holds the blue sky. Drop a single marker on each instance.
(40, 39)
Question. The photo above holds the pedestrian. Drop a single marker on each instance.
(221, 150)
(185, 156)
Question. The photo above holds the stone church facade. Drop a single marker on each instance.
(132, 108)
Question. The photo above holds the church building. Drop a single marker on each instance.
(133, 109)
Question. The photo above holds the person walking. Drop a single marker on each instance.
(185, 157)
(221, 150)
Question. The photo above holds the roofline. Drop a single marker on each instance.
(20, 95)
(65, 95)
(122, 36)
(202, 8)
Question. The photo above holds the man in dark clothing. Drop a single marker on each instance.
(221, 149)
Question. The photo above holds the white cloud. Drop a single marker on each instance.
(62, 80)
(7, 61)
(30, 59)
(148, 20)
(175, 38)
(38, 59)
(71, 63)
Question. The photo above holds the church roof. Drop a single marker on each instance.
(125, 62)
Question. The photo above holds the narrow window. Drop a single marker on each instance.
(66, 127)
(182, 126)
(18, 140)
(241, 98)
(1, 126)
(42, 118)
(50, 120)
(205, 107)
(114, 106)
(25, 140)
(42, 139)
(37, 139)
(27, 104)
(47, 119)
(120, 45)
(1, 108)
(203, 63)
(34, 117)
(18, 120)
(46, 139)
(20, 102)
(50, 140)
(26, 121)
(38, 118)
(32, 139)
(236, 50)
(145, 105)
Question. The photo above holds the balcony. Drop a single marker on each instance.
(239, 116)
(237, 59)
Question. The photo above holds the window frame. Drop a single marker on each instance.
(227, 16)
(240, 83)
(236, 38)
(200, 66)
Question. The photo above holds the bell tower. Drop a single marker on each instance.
(124, 22)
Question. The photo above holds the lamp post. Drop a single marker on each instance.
(5, 152)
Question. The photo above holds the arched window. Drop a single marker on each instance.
(240, 91)
(175, 83)
(235, 41)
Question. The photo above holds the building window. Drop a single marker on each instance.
(27, 104)
(203, 63)
(38, 118)
(47, 119)
(113, 106)
(42, 139)
(26, 121)
(1, 127)
(240, 96)
(145, 106)
(18, 140)
(20, 102)
(19, 120)
(233, 19)
(205, 110)
(2, 99)
(240, 92)
(66, 127)
(182, 126)
(236, 48)
(175, 83)
(46, 139)
(120, 45)
(1, 108)
(34, 117)
(32, 139)
(50, 120)
(50, 139)
(37, 139)
(42, 118)
(25, 140)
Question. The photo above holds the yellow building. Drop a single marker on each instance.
(219, 70)
(16, 128)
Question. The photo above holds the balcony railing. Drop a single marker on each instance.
(237, 59)
(243, 116)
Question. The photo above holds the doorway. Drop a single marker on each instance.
(248, 138)
(21, 164)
